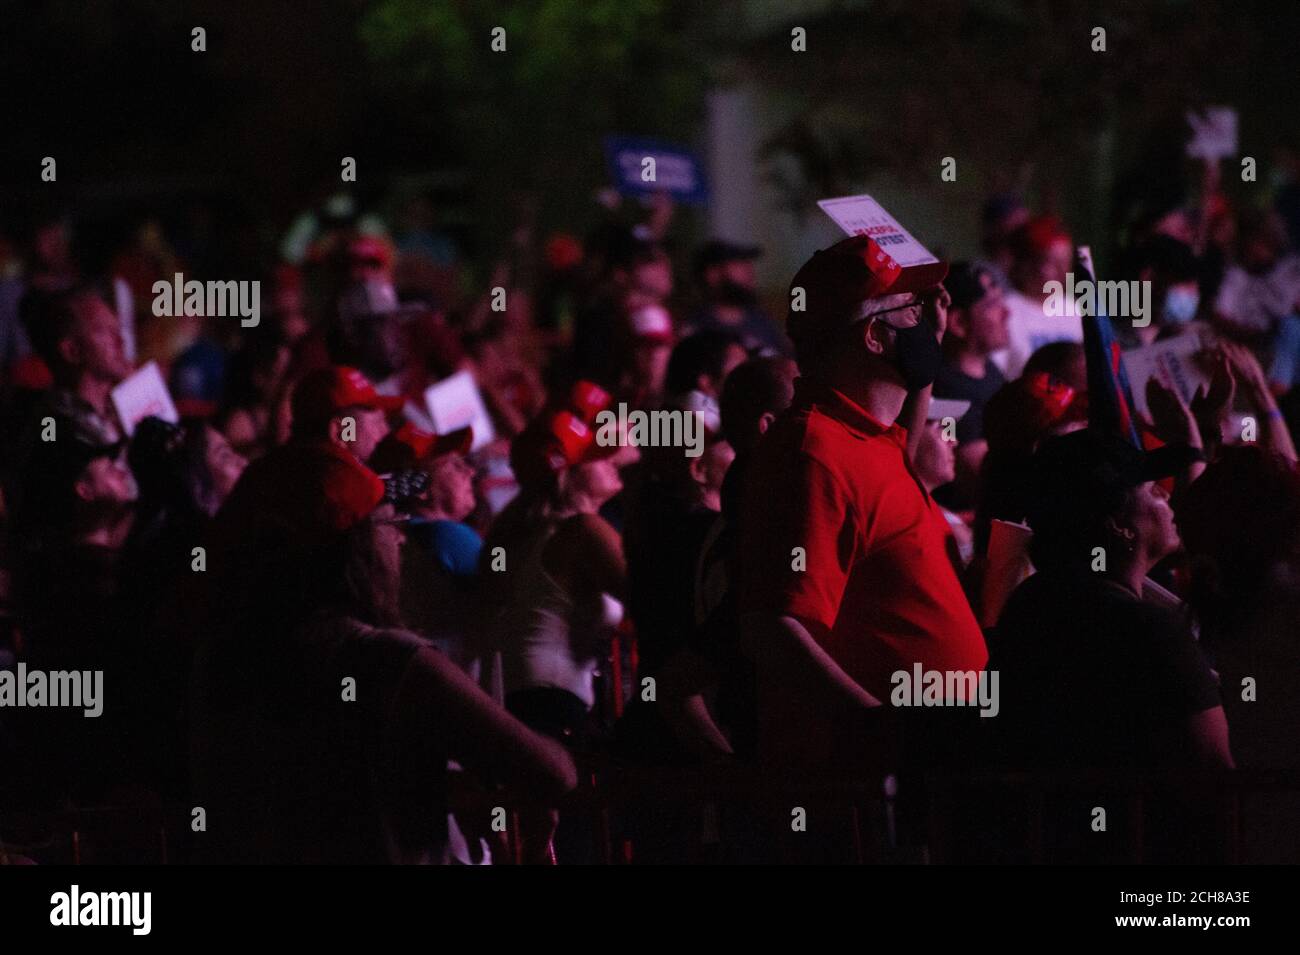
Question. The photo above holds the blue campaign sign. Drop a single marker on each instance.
(642, 167)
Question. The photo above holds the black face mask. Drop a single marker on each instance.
(918, 355)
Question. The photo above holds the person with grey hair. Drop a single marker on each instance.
(844, 578)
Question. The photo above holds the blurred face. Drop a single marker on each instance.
(224, 463)
(650, 364)
(95, 345)
(1053, 264)
(51, 244)
(107, 481)
(711, 466)
(268, 376)
(739, 272)
(987, 319)
(1177, 224)
(289, 316)
(452, 489)
(1150, 517)
(936, 459)
(597, 481)
(371, 428)
(1259, 253)
(654, 278)
(386, 347)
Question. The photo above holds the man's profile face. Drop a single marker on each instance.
(372, 427)
(452, 487)
(654, 278)
(97, 347)
(1053, 263)
(877, 334)
(107, 481)
(987, 328)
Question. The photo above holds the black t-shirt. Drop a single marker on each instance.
(953, 383)
(1090, 676)
(292, 771)
(662, 545)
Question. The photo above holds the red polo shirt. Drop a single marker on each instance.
(878, 592)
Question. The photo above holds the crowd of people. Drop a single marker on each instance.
(324, 621)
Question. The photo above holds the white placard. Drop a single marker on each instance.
(454, 403)
(1214, 133)
(1170, 361)
(862, 215)
(142, 395)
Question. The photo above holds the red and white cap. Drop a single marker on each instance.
(323, 393)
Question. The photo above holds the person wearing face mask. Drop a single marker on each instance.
(724, 274)
(844, 577)
(1174, 272)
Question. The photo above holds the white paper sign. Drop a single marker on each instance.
(1214, 133)
(862, 215)
(1172, 362)
(454, 403)
(142, 395)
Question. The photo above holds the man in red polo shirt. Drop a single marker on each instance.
(845, 578)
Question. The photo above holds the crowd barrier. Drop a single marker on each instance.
(944, 818)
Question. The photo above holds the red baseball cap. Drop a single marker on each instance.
(370, 250)
(835, 281)
(587, 399)
(323, 393)
(410, 446)
(1022, 412)
(1038, 235)
(552, 443)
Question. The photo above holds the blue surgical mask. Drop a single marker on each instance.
(1180, 305)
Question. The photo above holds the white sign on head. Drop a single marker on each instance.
(862, 215)
(454, 403)
(142, 395)
(1214, 133)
